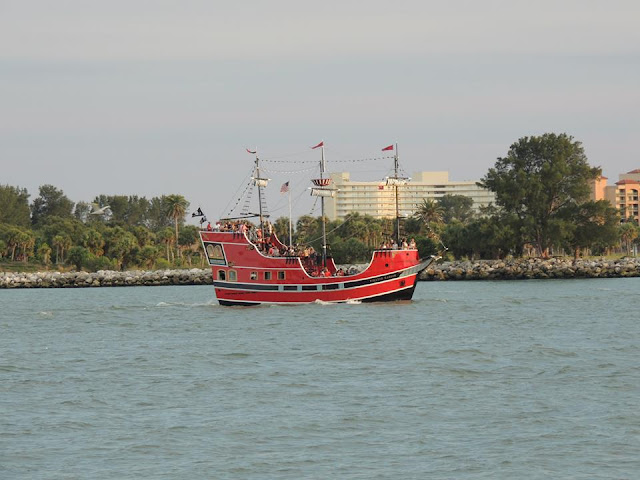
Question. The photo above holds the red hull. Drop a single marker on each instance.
(242, 275)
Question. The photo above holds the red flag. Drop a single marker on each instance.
(251, 151)
(284, 188)
(390, 147)
(321, 144)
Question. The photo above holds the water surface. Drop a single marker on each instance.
(522, 379)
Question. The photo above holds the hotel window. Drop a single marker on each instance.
(267, 275)
(222, 275)
(233, 276)
(280, 275)
(253, 275)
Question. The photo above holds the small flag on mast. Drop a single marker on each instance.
(390, 147)
(321, 144)
(284, 188)
(252, 151)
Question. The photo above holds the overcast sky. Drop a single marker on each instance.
(152, 97)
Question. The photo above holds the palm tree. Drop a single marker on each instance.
(44, 252)
(13, 240)
(429, 211)
(26, 241)
(628, 232)
(93, 241)
(166, 236)
(57, 242)
(176, 208)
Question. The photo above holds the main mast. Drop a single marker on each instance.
(324, 224)
(395, 169)
(322, 192)
(396, 181)
(259, 182)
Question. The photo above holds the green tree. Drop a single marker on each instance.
(26, 242)
(70, 227)
(281, 227)
(491, 237)
(156, 217)
(426, 246)
(307, 230)
(189, 241)
(144, 235)
(539, 177)
(429, 211)
(61, 243)
(44, 253)
(456, 207)
(121, 245)
(78, 256)
(14, 206)
(351, 250)
(92, 239)
(593, 225)
(148, 256)
(176, 209)
(11, 236)
(166, 237)
(51, 202)
(627, 233)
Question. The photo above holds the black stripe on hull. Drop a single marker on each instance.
(229, 303)
(406, 294)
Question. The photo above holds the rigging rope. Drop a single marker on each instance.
(247, 185)
(353, 160)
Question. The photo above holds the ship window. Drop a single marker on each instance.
(253, 275)
(222, 275)
(233, 276)
(267, 275)
(280, 275)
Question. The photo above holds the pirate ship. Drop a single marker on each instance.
(251, 266)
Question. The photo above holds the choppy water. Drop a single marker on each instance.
(529, 379)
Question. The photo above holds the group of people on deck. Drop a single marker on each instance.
(393, 245)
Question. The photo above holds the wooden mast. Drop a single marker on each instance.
(324, 225)
(395, 169)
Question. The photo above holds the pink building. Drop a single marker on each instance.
(624, 195)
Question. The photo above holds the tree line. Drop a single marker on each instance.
(134, 232)
(542, 208)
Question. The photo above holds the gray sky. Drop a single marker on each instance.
(153, 97)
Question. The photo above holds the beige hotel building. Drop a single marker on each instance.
(377, 199)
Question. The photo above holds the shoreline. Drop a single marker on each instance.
(521, 269)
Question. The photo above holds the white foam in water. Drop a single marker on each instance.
(209, 303)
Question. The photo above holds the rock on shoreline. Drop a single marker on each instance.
(533, 268)
(478, 270)
(105, 278)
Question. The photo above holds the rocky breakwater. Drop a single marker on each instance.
(105, 278)
(534, 268)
